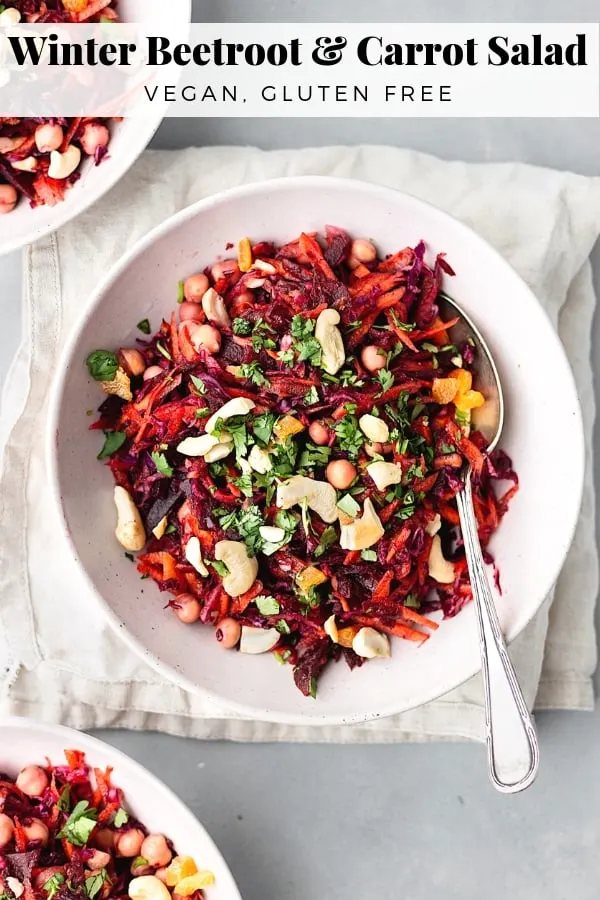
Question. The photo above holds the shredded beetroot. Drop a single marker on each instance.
(65, 833)
(18, 146)
(316, 584)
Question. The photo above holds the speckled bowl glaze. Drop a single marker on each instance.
(23, 742)
(530, 547)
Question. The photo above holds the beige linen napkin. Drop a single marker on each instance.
(59, 661)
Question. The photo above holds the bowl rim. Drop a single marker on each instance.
(88, 743)
(67, 355)
(64, 212)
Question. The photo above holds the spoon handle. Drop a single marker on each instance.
(513, 752)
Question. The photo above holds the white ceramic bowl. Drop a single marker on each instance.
(129, 139)
(23, 742)
(530, 547)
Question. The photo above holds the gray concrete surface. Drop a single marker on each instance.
(411, 822)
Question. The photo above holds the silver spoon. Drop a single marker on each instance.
(512, 746)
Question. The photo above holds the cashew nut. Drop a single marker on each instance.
(218, 452)
(384, 474)
(330, 339)
(120, 386)
(215, 309)
(193, 554)
(375, 429)
(271, 534)
(258, 640)
(200, 446)
(29, 164)
(434, 526)
(369, 644)
(319, 495)
(10, 17)
(64, 164)
(331, 630)
(130, 530)
(243, 569)
(160, 529)
(148, 887)
(440, 569)
(363, 532)
(16, 886)
(239, 406)
(265, 267)
(260, 460)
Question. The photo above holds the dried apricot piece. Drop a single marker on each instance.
(179, 868)
(310, 577)
(286, 427)
(465, 380)
(345, 636)
(444, 390)
(469, 400)
(188, 886)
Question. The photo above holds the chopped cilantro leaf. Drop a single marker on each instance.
(313, 455)
(180, 291)
(286, 357)
(349, 505)
(102, 365)
(144, 326)
(448, 448)
(385, 379)
(368, 555)
(202, 413)
(412, 601)
(283, 627)
(51, 886)
(219, 567)
(403, 326)
(114, 441)
(310, 351)
(262, 427)
(80, 824)
(244, 484)
(93, 884)
(313, 688)
(162, 350)
(349, 435)
(253, 372)
(328, 538)
(199, 385)
(162, 466)
(242, 327)
(302, 328)
(64, 801)
(267, 605)
(312, 396)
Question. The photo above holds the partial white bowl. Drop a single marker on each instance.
(129, 139)
(23, 742)
(530, 547)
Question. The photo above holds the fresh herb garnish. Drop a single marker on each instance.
(219, 567)
(348, 504)
(242, 327)
(283, 627)
(403, 326)
(114, 440)
(202, 413)
(244, 484)
(412, 601)
(180, 291)
(121, 817)
(313, 688)
(199, 385)
(162, 466)
(129, 556)
(286, 357)
(64, 801)
(347, 377)
(51, 887)
(80, 824)
(253, 372)
(349, 435)
(328, 538)
(368, 555)
(386, 380)
(260, 337)
(144, 326)
(93, 884)
(162, 350)
(314, 455)
(312, 396)
(102, 365)
(262, 427)
(267, 605)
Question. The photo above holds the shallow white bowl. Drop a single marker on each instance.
(129, 139)
(530, 547)
(23, 741)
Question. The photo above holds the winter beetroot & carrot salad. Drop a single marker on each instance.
(66, 833)
(288, 446)
(41, 158)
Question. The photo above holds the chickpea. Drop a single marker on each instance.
(228, 268)
(373, 358)
(48, 137)
(105, 838)
(319, 433)
(156, 851)
(228, 633)
(32, 780)
(139, 868)
(98, 860)
(152, 372)
(190, 312)
(7, 830)
(361, 251)
(94, 137)
(161, 874)
(340, 474)
(129, 843)
(132, 361)
(8, 198)
(36, 832)
(46, 874)
(195, 287)
(206, 336)
(187, 609)
(374, 449)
